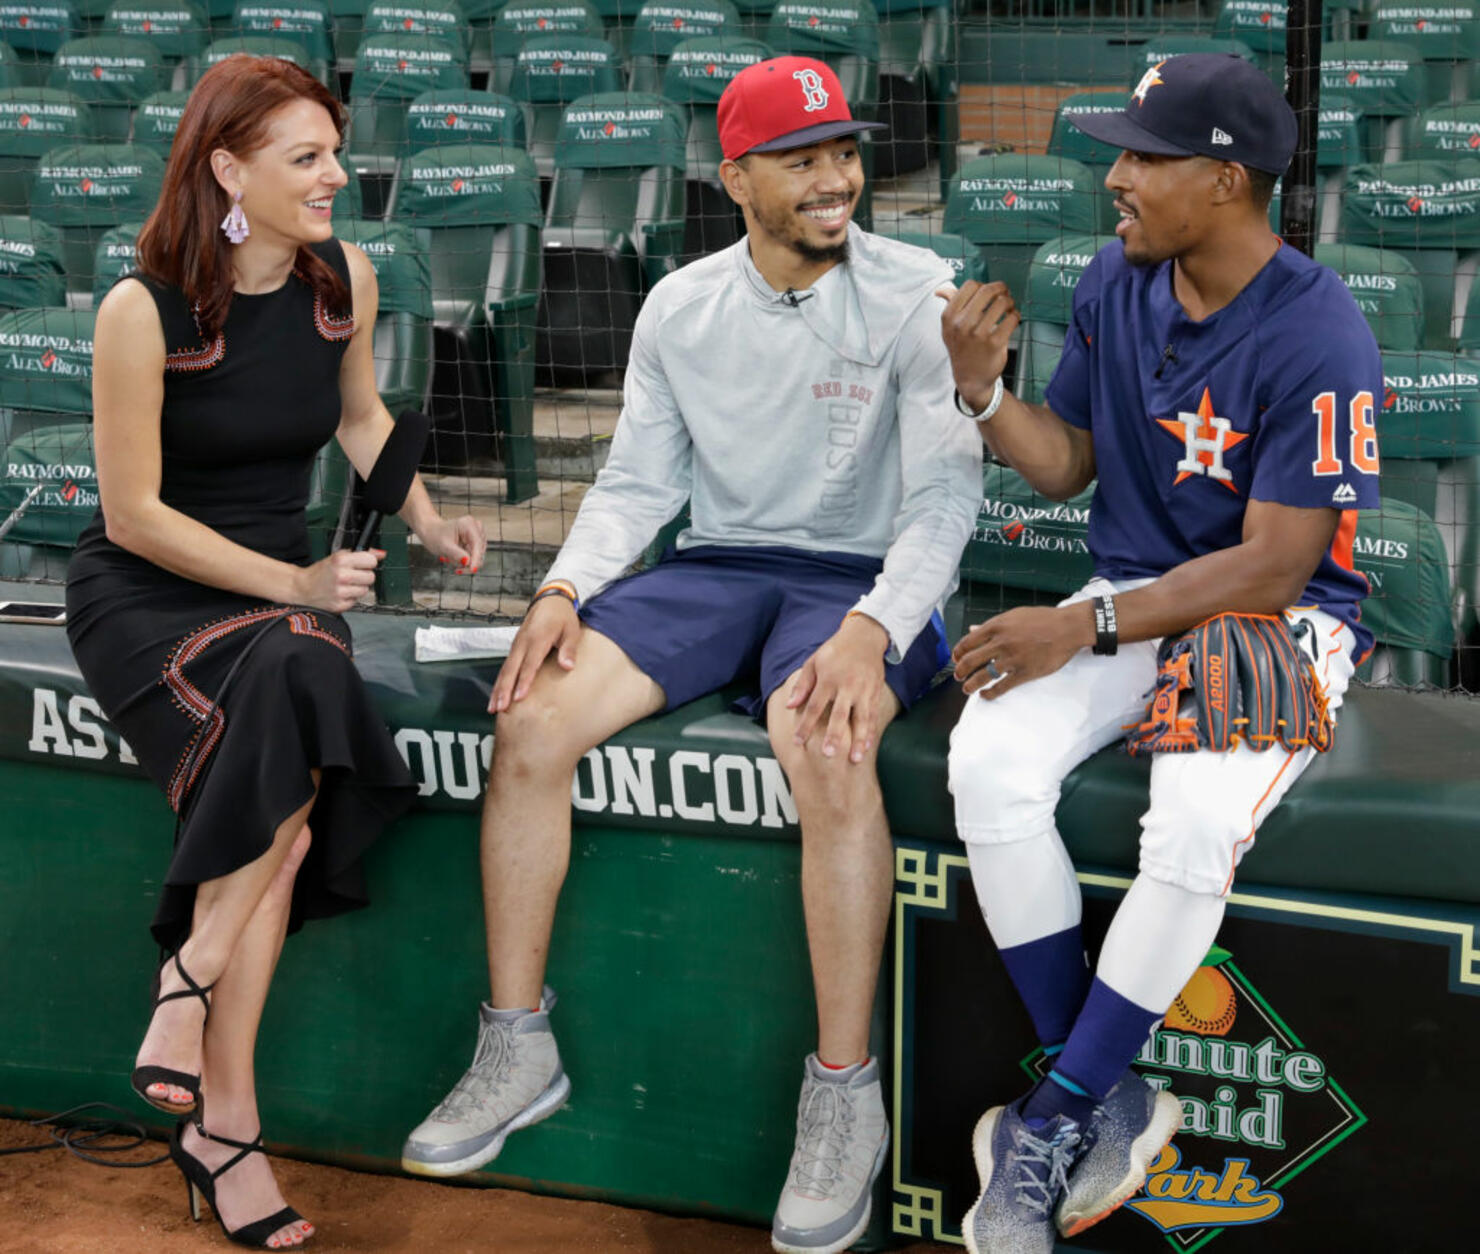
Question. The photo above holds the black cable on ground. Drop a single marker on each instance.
(92, 1139)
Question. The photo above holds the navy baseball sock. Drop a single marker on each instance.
(1052, 977)
(1105, 1039)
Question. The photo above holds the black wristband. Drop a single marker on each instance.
(1107, 638)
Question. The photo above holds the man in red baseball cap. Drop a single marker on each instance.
(794, 390)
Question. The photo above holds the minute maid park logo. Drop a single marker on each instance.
(1258, 1108)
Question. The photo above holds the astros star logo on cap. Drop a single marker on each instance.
(1149, 80)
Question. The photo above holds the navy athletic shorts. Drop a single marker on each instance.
(710, 616)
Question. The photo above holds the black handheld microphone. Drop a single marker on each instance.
(395, 468)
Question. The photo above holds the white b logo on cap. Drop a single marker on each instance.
(812, 89)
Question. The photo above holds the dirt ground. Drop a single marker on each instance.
(54, 1203)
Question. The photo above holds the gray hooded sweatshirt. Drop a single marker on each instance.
(820, 420)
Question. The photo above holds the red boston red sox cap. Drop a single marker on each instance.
(786, 102)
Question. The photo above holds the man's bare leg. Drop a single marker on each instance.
(847, 876)
(516, 1078)
(526, 814)
(847, 883)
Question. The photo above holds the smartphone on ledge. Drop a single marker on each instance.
(32, 612)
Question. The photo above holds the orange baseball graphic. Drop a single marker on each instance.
(1206, 1005)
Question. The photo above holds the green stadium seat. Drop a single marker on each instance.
(463, 115)
(158, 118)
(1429, 438)
(33, 119)
(1047, 308)
(697, 73)
(35, 29)
(845, 34)
(1009, 204)
(307, 23)
(1400, 551)
(45, 419)
(521, 20)
(479, 205)
(178, 28)
(32, 272)
(59, 458)
(84, 190)
(1447, 37)
(404, 349)
(1384, 82)
(550, 72)
(614, 226)
(48, 374)
(1386, 288)
(1159, 47)
(1445, 132)
(662, 25)
(391, 71)
(1026, 549)
(1258, 24)
(254, 46)
(1067, 140)
(964, 260)
(1429, 211)
(442, 18)
(117, 256)
(111, 74)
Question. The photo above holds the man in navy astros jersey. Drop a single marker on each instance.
(1221, 386)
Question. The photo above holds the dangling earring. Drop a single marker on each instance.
(235, 221)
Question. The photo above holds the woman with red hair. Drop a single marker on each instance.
(210, 638)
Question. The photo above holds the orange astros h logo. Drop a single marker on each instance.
(1205, 437)
(1149, 80)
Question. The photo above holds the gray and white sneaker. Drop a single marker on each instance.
(1121, 1141)
(515, 1080)
(842, 1138)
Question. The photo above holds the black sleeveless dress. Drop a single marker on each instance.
(242, 420)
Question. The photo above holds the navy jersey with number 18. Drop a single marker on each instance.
(1272, 398)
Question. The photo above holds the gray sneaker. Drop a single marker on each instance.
(515, 1080)
(1023, 1173)
(842, 1138)
(1122, 1140)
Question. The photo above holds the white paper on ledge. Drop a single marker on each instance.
(451, 644)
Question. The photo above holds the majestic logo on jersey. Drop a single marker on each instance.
(1205, 438)
(812, 90)
(1149, 80)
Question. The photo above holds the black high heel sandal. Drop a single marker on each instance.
(143, 1077)
(200, 1181)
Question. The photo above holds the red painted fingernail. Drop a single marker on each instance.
(463, 562)
(443, 560)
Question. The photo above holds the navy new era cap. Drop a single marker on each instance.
(1209, 104)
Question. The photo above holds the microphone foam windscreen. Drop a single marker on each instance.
(395, 468)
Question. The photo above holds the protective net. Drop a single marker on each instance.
(521, 174)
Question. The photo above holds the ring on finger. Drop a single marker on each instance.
(992, 671)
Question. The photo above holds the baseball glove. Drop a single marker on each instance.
(1246, 680)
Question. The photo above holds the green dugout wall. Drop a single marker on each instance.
(680, 959)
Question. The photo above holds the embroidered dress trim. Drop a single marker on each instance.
(202, 358)
(327, 325)
(194, 704)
